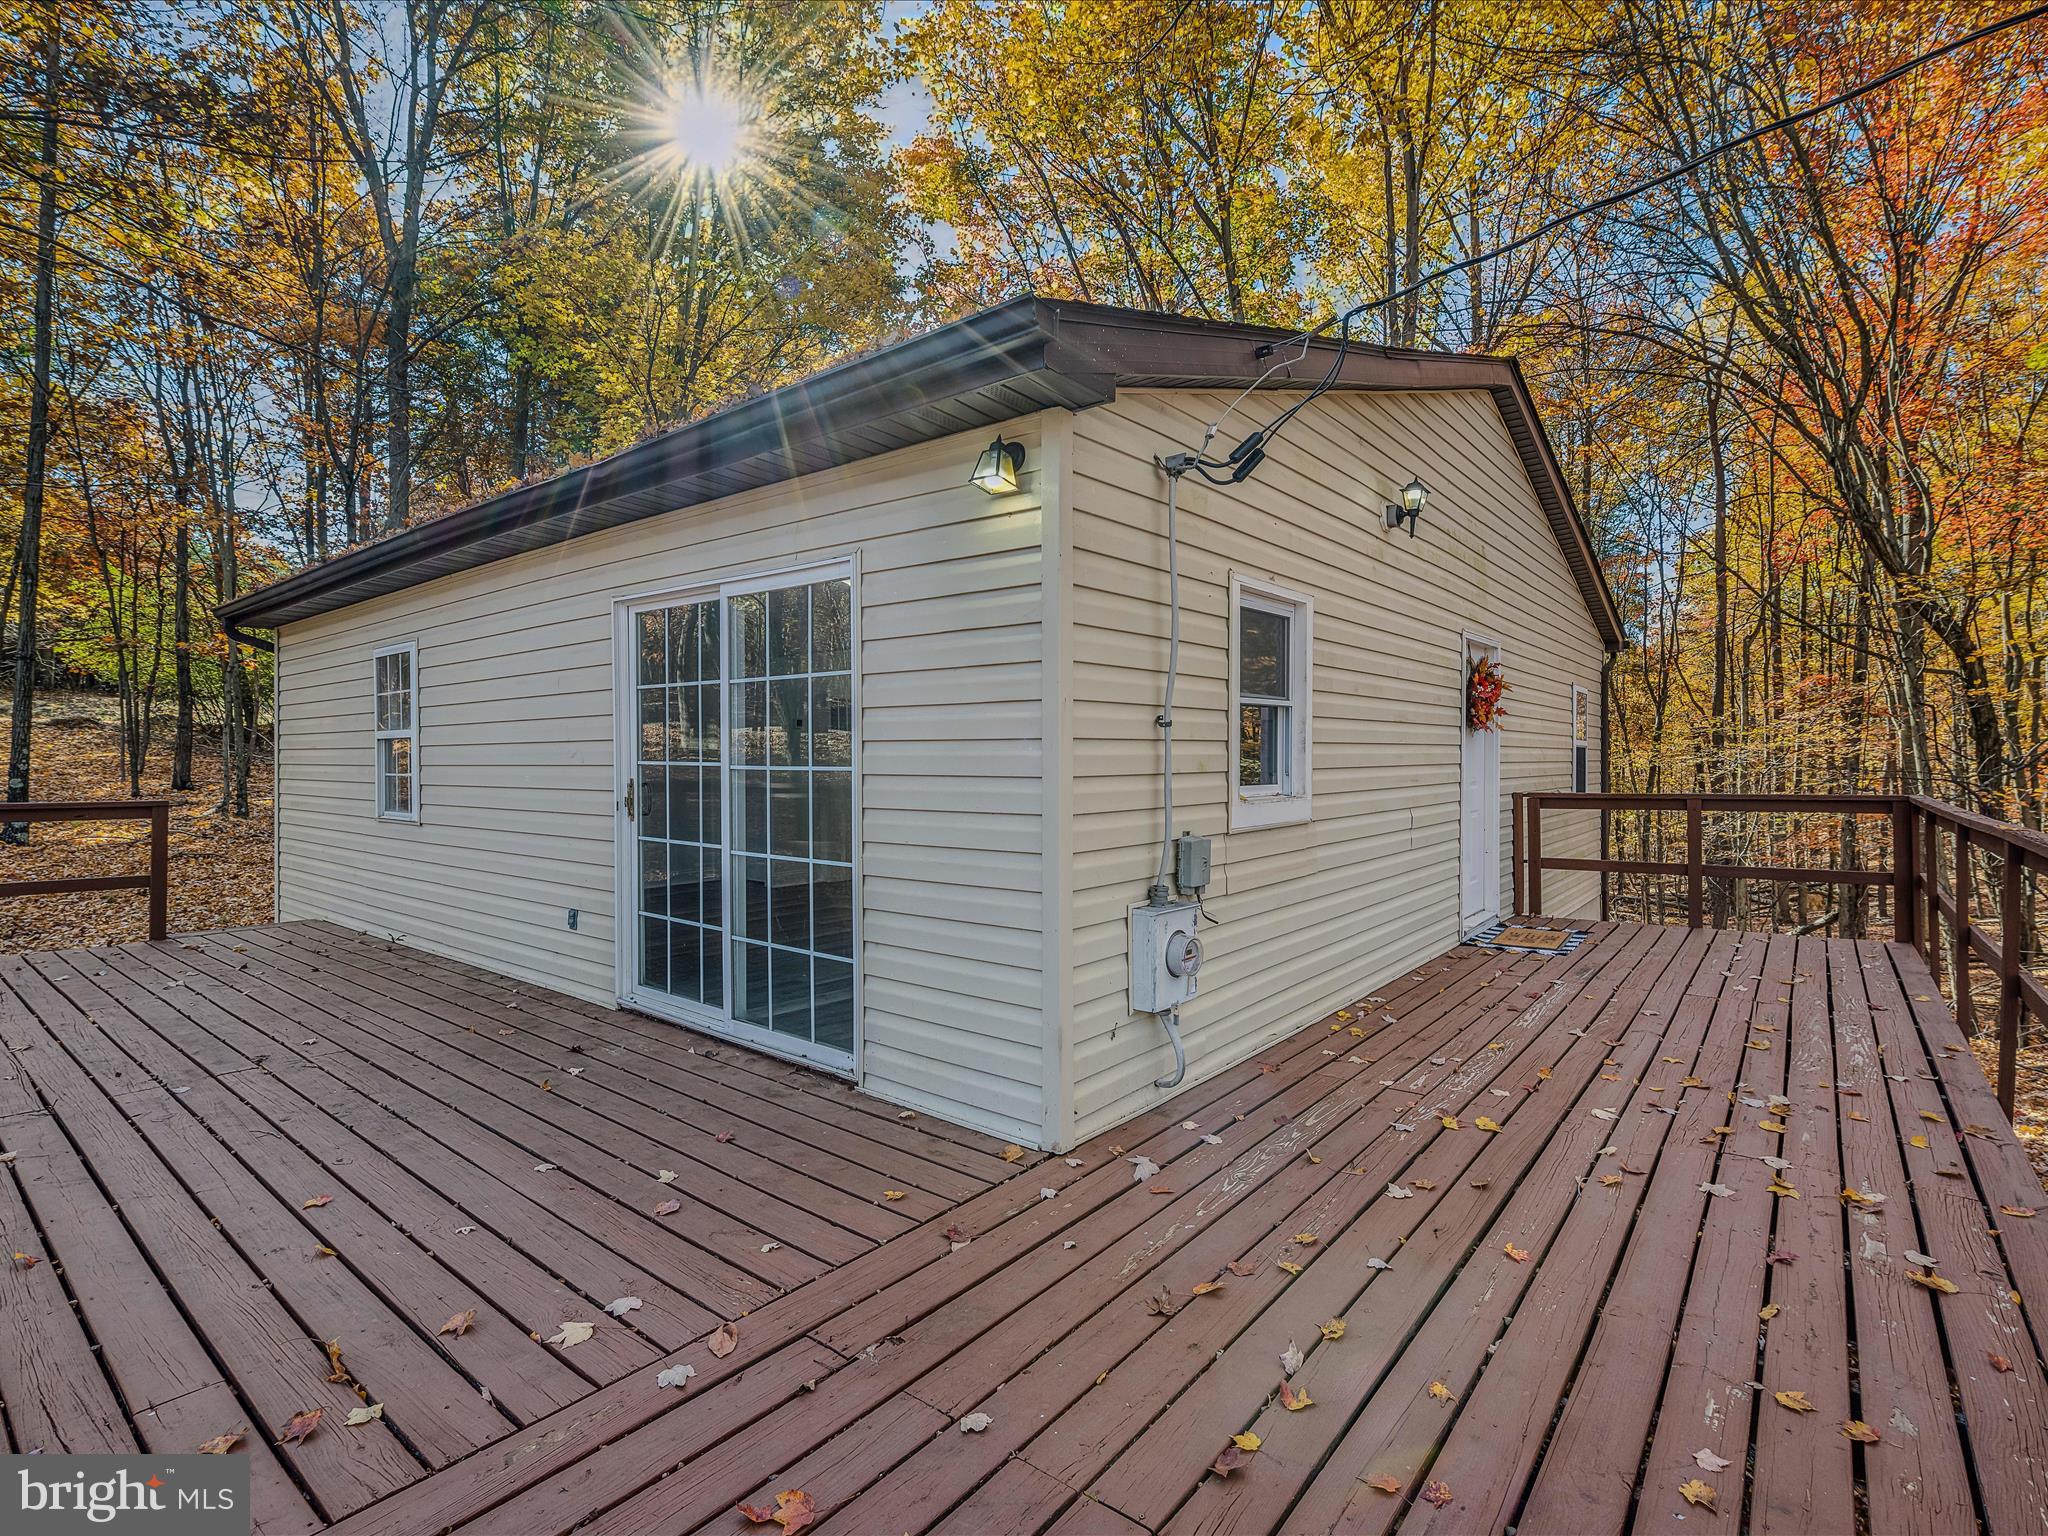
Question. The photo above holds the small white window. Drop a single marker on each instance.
(1270, 693)
(397, 722)
(1582, 739)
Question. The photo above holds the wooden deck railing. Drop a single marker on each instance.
(158, 879)
(1929, 839)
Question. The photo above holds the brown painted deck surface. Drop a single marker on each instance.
(1536, 1191)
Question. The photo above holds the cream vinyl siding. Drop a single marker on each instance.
(517, 781)
(1315, 915)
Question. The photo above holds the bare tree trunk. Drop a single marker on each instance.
(29, 551)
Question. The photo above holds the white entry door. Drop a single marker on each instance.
(737, 812)
(1479, 806)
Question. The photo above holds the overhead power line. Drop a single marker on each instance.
(1245, 457)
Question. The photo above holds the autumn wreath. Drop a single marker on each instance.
(1483, 689)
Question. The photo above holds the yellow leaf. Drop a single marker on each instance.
(1290, 1266)
(1486, 1124)
(1917, 1141)
(1931, 1117)
(892, 1194)
(1304, 1238)
(1768, 1312)
(1781, 1189)
(1442, 1393)
(1012, 1153)
(1610, 1179)
(1697, 1493)
(1204, 1287)
(1856, 1429)
(1796, 1401)
(1246, 1441)
(1770, 1125)
(1543, 1074)
(1450, 1122)
(1294, 1400)
(1932, 1281)
(1759, 1045)
(1519, 1255)
(1334, 1328)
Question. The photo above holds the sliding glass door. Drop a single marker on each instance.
(742, 813)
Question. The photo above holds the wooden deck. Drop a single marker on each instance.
(1581, 1219)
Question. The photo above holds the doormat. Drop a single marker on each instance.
(1528, 941)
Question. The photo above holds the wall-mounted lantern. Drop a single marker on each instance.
(997, 469)
(1414, 497)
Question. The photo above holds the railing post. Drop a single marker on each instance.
(1929, 875)
(1606, 853)
(159, 873)
(1905, 900)
(1532, 835)
(1515, 852)
(1959, 950)
(2010, 939)
(1695, 857)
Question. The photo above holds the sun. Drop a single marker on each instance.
(707, 130)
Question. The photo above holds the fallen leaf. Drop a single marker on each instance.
(1519, 1255)
(1292, 1400)
(1437, 1493)
(1013, 1153)
(1781, 1189)
(460, 1323)
(892, 1194)
(1241, 1268)
(358, 1417)
(543, 1167)
(622, 1306)
(1396, 1192)
(1931, 1117)
(668, 1207)
(1205, 1287)
(571, 1334)
(1770, 1125)
(1486, 1124)
(1289, 1265)
(1227, 1461)
(302, 1424)
(1769, 1312)
(1925, 1261)
(725, 1340)
(1385, 1482)
(1142, 1168)
(220, 1445)
(675, 1376)
(723, 1137)
(1796, 1401)
(1721, 1190)
(666, 1176)
(1917, 1141)
(1696, 1493)
(975, 1423)
(337, 1371)
(25, 1260)
(1442, 1393)
(1304, 1238)
(1610, 1179)
(2017, 1210)
(1859, 1431)
(1707, 1461)
(1049, 1193)
(1333, 1329)
(1290, 1358)
(1932, 1281)
(315, 1203)
(1779, 1256)
(1450, 1122)
(1246, 1441)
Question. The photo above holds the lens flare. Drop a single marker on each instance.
(707, 130)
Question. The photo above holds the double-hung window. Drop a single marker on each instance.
(1582, 739)
(397, 723)
(1270, 693)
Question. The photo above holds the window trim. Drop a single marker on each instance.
(410, 650)
(1582, 739)
(1293, 803)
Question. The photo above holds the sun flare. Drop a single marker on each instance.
(706, 130)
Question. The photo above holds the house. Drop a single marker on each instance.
(829, 722)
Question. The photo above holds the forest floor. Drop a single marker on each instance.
(220, 865)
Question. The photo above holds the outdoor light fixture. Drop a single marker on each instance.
(997, 469)
(1414, 497)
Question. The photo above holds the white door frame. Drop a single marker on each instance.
(626, 848)
(1486, 744)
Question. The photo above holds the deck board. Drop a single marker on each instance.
(1559, 1316)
